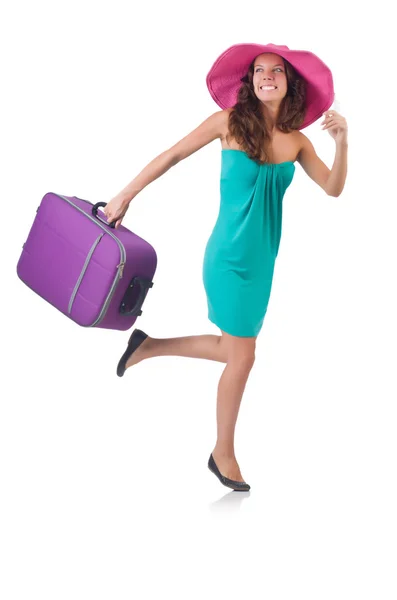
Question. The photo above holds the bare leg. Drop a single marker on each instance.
(192, 346)
(230, 391)
(230, 388)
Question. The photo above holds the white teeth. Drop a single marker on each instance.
(268, 87)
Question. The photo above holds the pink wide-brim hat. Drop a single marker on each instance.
(224, 77)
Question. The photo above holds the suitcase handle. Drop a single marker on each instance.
(94, 212)
(145, 285)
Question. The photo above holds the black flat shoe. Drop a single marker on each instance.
(136, 339)
(237, 486)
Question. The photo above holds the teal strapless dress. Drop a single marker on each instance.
(241, 251)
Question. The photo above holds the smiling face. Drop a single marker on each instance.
(269, 71)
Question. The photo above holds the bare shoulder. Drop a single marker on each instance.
(306, 150)
(210, 129)
(300, 140)
(225, 121)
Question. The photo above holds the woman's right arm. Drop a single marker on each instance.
(206, 132)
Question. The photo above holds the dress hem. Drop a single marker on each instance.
(234, 334)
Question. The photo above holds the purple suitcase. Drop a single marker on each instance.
(96, 275)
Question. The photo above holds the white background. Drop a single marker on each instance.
(105, 491)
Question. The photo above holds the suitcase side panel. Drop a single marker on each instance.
(141, 260)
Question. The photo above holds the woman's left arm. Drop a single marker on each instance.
(331, 181)
(337, 128)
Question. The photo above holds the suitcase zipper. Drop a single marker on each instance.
(120, 266)
(121, 269)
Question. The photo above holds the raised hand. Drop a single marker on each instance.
(336, 125)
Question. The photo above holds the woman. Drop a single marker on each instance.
(267, 93)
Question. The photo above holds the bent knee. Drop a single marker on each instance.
(239, 350)
(242, 360)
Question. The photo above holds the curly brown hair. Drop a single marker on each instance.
(247, 123)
